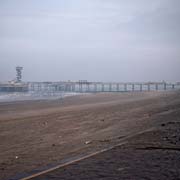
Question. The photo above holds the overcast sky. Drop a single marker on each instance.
(95, 40)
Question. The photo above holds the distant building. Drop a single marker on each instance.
(15, 86)
(19, 74)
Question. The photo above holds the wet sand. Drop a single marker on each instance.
(38, 134)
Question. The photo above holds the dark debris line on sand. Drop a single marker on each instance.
(160, 148)
(151, 155)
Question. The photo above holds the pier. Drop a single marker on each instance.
(94, 87)
(87, 87)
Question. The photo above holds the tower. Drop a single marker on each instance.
(19, 74)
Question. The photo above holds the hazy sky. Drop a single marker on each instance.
(96, 40)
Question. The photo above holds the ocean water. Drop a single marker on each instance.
(21, 96)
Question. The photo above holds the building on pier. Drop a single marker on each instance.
(13, 87)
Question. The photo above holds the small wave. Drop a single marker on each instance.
(19, 96)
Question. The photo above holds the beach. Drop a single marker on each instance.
(38, 134)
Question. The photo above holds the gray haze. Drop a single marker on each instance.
(97, 40)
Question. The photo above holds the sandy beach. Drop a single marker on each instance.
(35, 135)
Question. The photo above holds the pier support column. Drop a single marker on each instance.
(73, 87)
(80, 87)
(165, 86)
(55, 87)
(156, 87)
(132, 87)
(110, 87)
(117, 86)
(141, 87)
(39, 87)
(95, 87)
(88, 87)
(102, 87)
(32, 87)
(125, 87)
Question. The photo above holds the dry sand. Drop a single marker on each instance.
(38, 134)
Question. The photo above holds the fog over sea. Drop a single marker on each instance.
(19, 96)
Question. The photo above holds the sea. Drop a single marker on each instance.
(23, 96)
